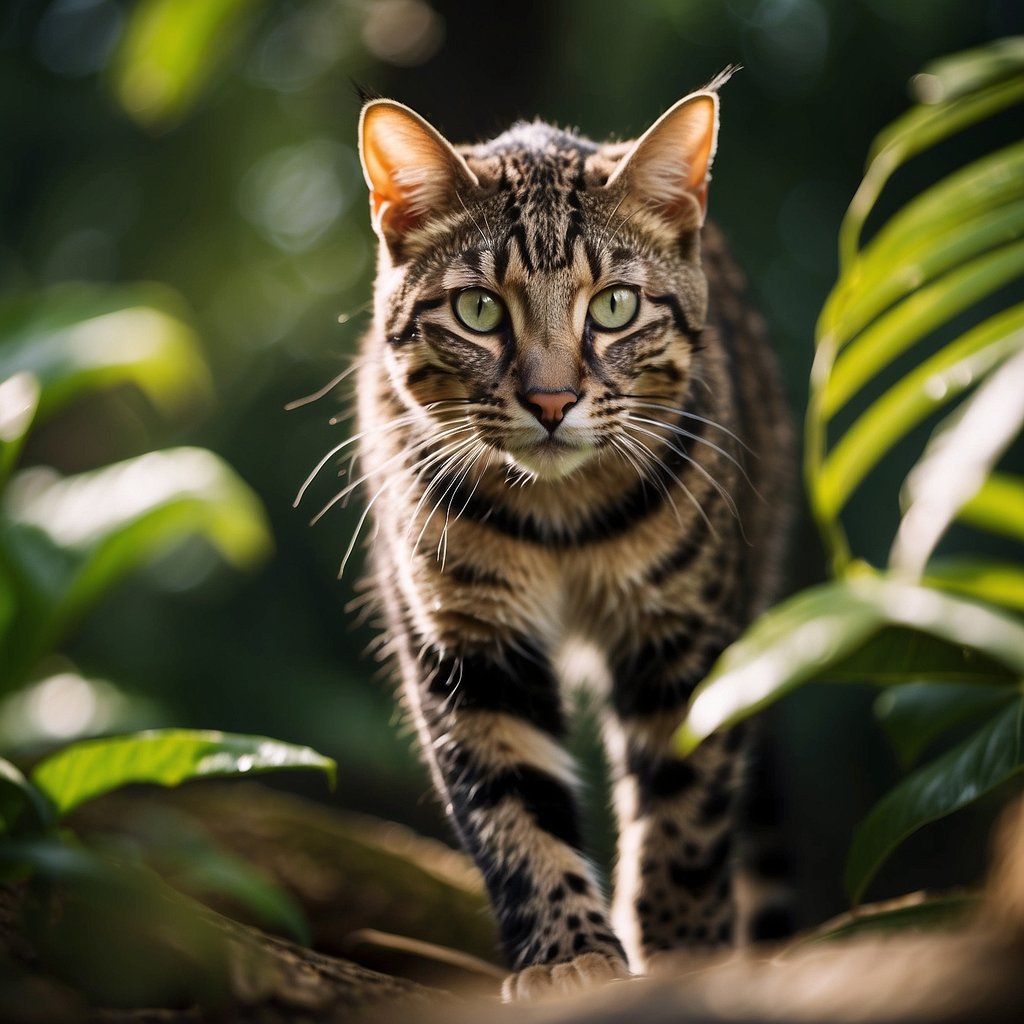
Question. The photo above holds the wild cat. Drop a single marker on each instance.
(576, 451)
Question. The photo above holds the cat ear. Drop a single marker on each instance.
(412, 170)
(669, 165)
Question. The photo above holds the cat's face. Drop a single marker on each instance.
(540, 296)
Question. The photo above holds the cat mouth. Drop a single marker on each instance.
(551, 458)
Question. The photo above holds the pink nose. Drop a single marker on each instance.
(550, 406)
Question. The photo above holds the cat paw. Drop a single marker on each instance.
(544, 980)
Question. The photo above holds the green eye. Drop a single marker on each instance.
(615, 307)
(479, 310)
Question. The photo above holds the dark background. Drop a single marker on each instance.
(248, 201)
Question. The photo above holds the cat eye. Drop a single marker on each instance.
(614, 308)
(479, 310)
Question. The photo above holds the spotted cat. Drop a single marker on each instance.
(577, 460)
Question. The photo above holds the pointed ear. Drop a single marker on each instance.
(412, 170)
(669, 165)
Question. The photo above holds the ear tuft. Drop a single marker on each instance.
(411, 169)
(669, 166)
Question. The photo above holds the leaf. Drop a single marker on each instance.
(996, 582)
(917, 130)
(23, 809)
(169, 52)
(917, 714)
(19, 401)
(954, 780)
(67, 541)
(964, 72)
(74, 339)
(956, 462)
(166, 757)
(121, 937)
(915, 396)
(998, 506)
(927, 309)
(908, 913)
(812, 633)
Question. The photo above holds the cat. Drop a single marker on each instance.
(577, 454)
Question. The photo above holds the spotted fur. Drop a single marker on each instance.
(640, 534)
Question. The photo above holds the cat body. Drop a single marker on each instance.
(577, 456)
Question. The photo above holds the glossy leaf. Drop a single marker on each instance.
(917, 714)
(810, 634)
(66, 541)
(961, 454)
(954, 780)
(164, 757)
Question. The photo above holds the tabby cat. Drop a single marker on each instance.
(576, 455)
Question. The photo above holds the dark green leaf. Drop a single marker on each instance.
(917, 714)
(954, 780)
(166, 757)
(23, 809)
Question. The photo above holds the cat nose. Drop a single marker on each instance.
(550, 406)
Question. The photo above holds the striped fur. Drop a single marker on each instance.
(646, 527)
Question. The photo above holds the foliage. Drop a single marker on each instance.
(944, 632)
(64, 543)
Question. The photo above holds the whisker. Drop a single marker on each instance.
(298, 403)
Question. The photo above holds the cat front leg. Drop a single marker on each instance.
(492, 725)
(674, 887)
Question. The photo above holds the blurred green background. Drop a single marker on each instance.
(209, 145)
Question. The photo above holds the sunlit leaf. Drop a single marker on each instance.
(19, 402)
(69, 540)
(23, 809)
(954, 780)
(917, 714)
(961, 217)
(808, 635)
(957, 461)
(969, 70)
(1000, 583)
(915, 396)
(917, 130)
(914, 317)
(998, 506)
(75, 339)
(170, 51)
(166, 757)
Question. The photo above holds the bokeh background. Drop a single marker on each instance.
(209, 145)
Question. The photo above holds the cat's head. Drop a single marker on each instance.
(540, 285)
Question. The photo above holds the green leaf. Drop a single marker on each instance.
(997, 582)
(954, 780)
(915, 396)
(74, 339)
(998, 506)
(23, 809)
(917, 714)
(170, 51)
(956, 463)
(812, 633)
(909, 321)
(914, 913)
(917, 130)
(166, 757)
(67, 541)
(19, 402)
(964, 72)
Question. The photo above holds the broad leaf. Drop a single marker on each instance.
(998, 506)
(75, 339)
(917, 714)
(66, 541)
(954, 780)
(23, 809)
(165, 757)
(811, 634)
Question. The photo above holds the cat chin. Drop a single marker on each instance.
(550, 462)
